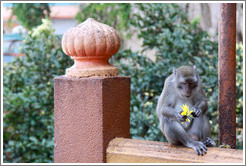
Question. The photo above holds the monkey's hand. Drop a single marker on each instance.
(181, 118)
(196, 111)
(199, 147)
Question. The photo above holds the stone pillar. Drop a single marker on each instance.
(227, 74)
(92, 103)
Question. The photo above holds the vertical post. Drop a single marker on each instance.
(227, 74)
(90, 111)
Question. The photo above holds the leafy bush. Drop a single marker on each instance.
(30, 14)
(239, 84)
(114, 14)
(239, 95)
(28, 97)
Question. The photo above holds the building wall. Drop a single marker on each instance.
(208, 13)
(61, 25)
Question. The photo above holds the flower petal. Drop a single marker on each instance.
(189, 113)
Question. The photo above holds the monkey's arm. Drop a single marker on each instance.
(201, 105)
(171, 113)
(165, 106)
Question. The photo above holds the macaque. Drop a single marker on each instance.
(184, 86)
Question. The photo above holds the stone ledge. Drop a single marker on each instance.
(121, 150)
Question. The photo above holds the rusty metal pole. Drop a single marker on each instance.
(227, 74)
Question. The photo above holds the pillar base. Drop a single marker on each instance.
(88, 72)
(89, 113)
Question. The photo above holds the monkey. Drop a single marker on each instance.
(184, 86)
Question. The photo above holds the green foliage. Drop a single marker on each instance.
(239, 94)
(30, 14)
(165, 28)
(114, 14)
(239, 84)
(28, 97)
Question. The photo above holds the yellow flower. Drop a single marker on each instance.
(186, 112)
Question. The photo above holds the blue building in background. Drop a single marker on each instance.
(62, 17)
(11, 45)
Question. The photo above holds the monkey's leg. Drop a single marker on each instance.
(176, 134)
(201, 130)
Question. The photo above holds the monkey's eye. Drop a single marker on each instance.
(193, 84)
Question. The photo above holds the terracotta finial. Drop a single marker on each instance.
(90, 45)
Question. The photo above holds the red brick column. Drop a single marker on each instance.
(92, 103)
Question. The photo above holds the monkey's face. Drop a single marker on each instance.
(187, 88)
(186, 81)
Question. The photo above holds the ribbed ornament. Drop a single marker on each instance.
(90, 45)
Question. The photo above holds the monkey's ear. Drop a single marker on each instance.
(174, 71)
(195, 68)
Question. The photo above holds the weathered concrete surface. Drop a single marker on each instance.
(89, 112)
(122, 150)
